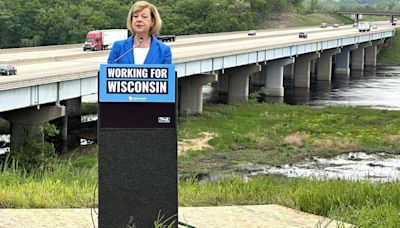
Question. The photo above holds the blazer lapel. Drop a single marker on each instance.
(152, 52)
(128, 46)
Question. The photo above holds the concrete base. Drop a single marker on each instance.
(201, 217)
(190, 93)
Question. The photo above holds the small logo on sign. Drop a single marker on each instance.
(164, 120)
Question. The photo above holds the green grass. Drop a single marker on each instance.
(246, 132)
(391, 54)
(68, 183)
(89, 108)
(361, 203)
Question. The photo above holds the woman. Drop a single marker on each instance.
(142, 47)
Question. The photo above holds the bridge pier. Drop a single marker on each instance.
(71, 122)
(371, 54)
(273, 74)
(302, 69)
(288, 71)
(357, 57)
(324, 72)
(29, 121)
(190, 93)
(238, 82)
(342, 66)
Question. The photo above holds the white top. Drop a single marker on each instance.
(140, 54)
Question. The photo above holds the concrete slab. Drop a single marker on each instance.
(199, 217)
(252, 216)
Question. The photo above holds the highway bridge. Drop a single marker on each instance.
(51, 80)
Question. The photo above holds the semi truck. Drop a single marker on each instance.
(165, 38)
(103, 39)
(364, 26)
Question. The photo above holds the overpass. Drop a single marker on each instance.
(357, 14)
(50, 81)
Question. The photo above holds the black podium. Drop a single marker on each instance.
(137, 141)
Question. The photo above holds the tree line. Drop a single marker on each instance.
(50, 22)
(387, 6)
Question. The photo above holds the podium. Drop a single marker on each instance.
(137, 139)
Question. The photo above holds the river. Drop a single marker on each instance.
(375, 89)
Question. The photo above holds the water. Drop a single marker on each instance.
(375, 89)
(378, 167)
(4, 142)
(5, 138)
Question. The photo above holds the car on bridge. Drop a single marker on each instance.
(303, 35)
(7, 69)
(336, 25)
(252, 33)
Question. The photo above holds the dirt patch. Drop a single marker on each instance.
(393, 138)
(294, 139)
(195, 144)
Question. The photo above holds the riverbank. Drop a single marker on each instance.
(391, 55)
(243, 133)
(277, 134)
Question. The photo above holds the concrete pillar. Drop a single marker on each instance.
(73, 110)
(190, 93)
(239, 81)
(257, 80)
(223, 87)
(312, 67)
(302, 69)
(357, 56)
(324, 72)
(371, 53)
(29, 121)
(273, 74)
(288, 71)
(342, 65)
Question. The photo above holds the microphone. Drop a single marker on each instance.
(125, 53)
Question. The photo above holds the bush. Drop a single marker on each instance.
(34, 154)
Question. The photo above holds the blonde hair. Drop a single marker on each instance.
(140, 5)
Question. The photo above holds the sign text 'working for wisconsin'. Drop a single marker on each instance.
(137, 83)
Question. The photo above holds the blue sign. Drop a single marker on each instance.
(137, 83)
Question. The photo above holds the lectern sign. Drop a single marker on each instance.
(137, 83)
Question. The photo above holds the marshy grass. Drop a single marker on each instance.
(363, 204)
(286, 134)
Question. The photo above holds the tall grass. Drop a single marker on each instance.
(62, 185)
(361, 203)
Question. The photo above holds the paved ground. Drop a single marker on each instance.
(209, 217)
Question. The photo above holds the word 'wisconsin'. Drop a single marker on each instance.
(138, 87)
(137, 73)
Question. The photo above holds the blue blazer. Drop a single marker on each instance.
(159, 53)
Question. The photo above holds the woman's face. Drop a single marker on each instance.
(142, 21)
